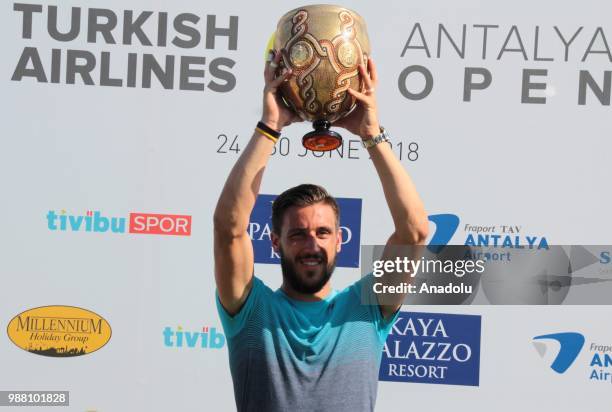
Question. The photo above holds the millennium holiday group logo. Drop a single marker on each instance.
(59, 331)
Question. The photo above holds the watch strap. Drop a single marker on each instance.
(382, 137)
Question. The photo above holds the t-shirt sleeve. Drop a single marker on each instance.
(367, 297)
(234, 324)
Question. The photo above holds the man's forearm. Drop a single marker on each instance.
(409, 218)
(242, 187)
(404, 202)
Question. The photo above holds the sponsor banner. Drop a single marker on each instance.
(260, 228)
(175, 35)
(483, 235)
(433, 348)
(59, 331)
(595, 366)
(156, 224)
(136, 223)
(206, 338)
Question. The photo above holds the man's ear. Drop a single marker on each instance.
(339, 241)
(275, 241)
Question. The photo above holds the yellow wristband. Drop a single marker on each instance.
(266, 134)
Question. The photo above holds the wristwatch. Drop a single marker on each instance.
(382, 137)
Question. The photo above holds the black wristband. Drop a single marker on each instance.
(268, 129)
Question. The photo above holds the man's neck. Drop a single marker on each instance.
(307, 297)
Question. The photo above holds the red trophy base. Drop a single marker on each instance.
(321, 139)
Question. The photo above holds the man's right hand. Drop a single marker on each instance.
(275, 113)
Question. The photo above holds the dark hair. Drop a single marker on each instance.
(300, 196)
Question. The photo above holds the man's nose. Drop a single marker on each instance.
(312, 242)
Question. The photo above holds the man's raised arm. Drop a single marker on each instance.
(405, 205)
(232, 246)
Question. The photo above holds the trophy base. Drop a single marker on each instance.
(321, 139)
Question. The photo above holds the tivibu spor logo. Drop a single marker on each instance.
(135, 223)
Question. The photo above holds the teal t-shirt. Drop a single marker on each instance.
(289, 355)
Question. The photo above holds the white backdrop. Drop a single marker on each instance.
(119, 150)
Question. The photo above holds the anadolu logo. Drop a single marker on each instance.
(136, 223)
(59, 331)
(207, 338)
(570, 343)
(260, 229)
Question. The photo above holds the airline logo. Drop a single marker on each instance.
(135, 223)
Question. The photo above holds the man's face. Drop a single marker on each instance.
(308, 244)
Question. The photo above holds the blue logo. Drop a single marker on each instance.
(446, 226)
(207, 338)
(260, 228)
(433, 348)
(598, 369)
(503, 236)
(571, 344)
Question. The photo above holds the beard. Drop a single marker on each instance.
(309, 281)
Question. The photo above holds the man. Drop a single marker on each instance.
(304, 347)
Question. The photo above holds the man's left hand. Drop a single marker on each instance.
(363, 120)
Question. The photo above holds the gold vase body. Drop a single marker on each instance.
(323, 45)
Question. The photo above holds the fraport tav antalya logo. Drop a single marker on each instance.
(502, 236)
(596, 365)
